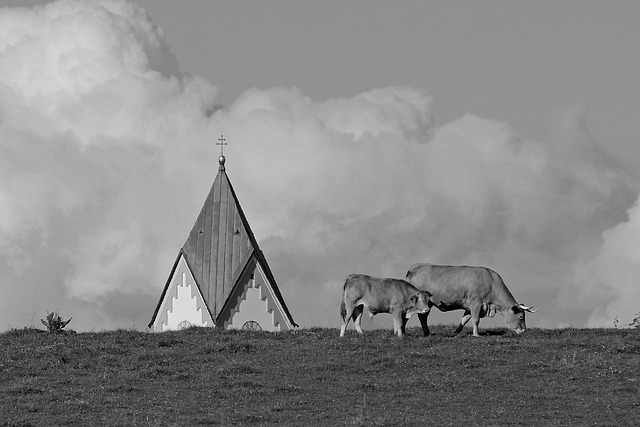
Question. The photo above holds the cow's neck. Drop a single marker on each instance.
(503, 299)
(501, 307)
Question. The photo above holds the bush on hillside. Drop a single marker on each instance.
(54, 323)
(635, 323)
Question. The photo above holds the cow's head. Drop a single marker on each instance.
(515, 317)
(418, 303)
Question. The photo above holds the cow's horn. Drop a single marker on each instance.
(525, 308)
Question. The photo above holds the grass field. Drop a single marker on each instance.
(311, 377)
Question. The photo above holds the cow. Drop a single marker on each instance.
(381, 295)
(479, 291)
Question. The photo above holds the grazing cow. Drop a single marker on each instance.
(479, 291)
(395, 296)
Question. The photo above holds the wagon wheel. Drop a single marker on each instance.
(252, 325)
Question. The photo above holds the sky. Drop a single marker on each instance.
(363, 137)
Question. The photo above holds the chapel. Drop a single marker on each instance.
(220, 277)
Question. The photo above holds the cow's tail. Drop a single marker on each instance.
(343, 307)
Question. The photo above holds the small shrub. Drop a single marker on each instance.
(54, 323)
(635, 323)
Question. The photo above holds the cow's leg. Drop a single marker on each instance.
(397, 324)
(475, 320)
(357, 317)
(423, 322)
(343, 329)
(403, 324)
(345, 320)
(465, 318)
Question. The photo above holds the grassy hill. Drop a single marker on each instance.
(312, 377)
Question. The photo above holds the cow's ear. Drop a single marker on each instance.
(516, 309)
(414, 298)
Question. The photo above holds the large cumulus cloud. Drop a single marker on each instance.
(96, 124)
(107, 151)
(471, 191)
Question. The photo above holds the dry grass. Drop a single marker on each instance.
(312, 377)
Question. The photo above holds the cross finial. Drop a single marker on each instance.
(221, 142)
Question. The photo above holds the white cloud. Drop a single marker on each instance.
(107, 152)
(609, 281)
(336, 201)
(91, 107)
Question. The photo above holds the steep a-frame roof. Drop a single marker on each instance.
(219, 247)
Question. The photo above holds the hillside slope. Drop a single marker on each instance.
(312, 377)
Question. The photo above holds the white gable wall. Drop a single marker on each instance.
(184, 308)
(183, 304)
(257, 303)
(253, 307)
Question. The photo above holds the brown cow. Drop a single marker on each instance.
(395, 296)
(479, 291)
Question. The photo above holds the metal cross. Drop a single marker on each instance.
(222, 143)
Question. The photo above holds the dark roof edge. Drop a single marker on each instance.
(259, 256)
(166, 286)
(226, 304)
(195, 280)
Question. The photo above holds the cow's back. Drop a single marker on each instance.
(450, 284)
(358, 286)
(379, 294)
